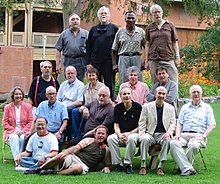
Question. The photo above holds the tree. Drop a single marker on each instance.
(205, 56)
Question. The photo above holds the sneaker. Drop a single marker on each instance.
(46, 172)
(188, 172)
(21, 169)
(128, 169)
(118, 168)
(32, 171)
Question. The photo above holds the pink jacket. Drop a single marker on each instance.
(9, 119)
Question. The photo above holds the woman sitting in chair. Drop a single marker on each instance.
(17, 119)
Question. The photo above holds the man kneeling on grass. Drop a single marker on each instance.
(79, 159)
(43, 145)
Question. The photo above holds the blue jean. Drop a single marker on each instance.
(30, 162)
(78, 123)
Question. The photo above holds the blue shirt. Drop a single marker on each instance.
(69, 93)
(55, 114)
(196, 118)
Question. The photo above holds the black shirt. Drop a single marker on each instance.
(127, 120)
(160, 127)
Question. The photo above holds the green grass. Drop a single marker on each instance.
(211, 175)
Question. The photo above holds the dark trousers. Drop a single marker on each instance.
(106, 73)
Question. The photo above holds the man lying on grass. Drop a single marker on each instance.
(79, 159)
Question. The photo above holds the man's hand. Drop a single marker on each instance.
(115, 67)
(106, 170)
(58, 135)
(63, 154)
(176, 137)
(18, 159)
(146, 65)
(166, 136)
(85, 113)
(58, 68)
(177, 61)
(41, 161)
(89, 66)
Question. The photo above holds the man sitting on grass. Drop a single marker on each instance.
(79, 159)
(42, 144)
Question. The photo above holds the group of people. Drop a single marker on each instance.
(86, 115)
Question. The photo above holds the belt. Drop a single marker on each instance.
(74, 56)
(130, 54)
(189, 132)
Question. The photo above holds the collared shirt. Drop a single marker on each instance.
(99, 115)
(69, 93)
(72, 45)
(90, 93)
(127, 119)
(161, 41)
(139, 92)
(124, 43)
(196, 118)
(55, 114)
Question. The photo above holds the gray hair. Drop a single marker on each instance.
(43, 62)
(195, 86)
(103, 7)
(50, 87)
(134, 69)
(106, 89)
(73, 15)
(157, 7)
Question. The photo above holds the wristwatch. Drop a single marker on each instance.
(45, 156)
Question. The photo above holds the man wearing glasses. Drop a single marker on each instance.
(98, 48)
(196, 121)
(37, 91)
(55, 113)
(99, 112)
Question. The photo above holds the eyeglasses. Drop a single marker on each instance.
(156, 12)
(51, 94)
(102, 95)
(160, 93)
(194, 92)
(47, 66)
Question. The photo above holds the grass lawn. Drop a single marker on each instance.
(211, 175)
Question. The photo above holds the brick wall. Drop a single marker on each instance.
(16, 68)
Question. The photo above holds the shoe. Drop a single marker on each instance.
(46, 172)
(160, 172)
(128, 169)
(188, 172)
(143, 171)
(32, 171)
(21, 169)
(119, 168)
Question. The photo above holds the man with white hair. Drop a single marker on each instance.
(196, 121)
(98, 48)
(161, 44)
(72, 42)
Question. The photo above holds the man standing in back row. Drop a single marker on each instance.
(128, 44)
(98, 49)
(72, 42)
(161, 44)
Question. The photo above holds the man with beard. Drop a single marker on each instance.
(128, 44)
(72, 42)
(37, 91)
(98, 49)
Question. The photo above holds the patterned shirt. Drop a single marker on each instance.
(196, 118)
(124, 43)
